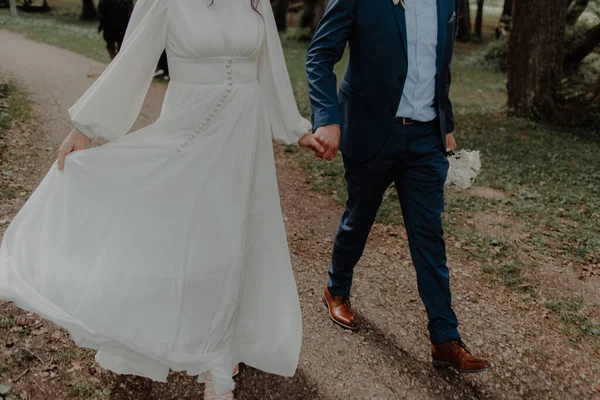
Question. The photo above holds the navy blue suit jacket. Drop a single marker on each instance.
(371, 89)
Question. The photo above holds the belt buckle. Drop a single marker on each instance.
(407, 121)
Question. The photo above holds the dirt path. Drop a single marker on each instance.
(387, 359)
(55, 78)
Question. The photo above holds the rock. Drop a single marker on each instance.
(4, 389)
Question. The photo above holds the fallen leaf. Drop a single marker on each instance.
(4, 389)
(40, 331)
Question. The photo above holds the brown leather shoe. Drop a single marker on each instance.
(455, 354)
(340, 311)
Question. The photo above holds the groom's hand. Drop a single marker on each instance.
(329, 135)
(450, 141)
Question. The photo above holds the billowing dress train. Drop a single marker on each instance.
(165, 248)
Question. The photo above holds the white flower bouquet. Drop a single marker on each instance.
(464, 168)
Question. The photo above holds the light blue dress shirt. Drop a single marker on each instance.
(418, 97)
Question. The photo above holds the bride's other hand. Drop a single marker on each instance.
(73, 142)
(310, 141)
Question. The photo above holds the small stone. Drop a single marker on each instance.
(4, 389)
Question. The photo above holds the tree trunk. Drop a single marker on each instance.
(88, 11)
(13, 8)
(503, 27)
(575, 10)
(479, 19)
(464, 22)
(583, 49)
(595, 91)
(312, 14)
(535, 58)
(280, 8)
(507, 10)
(308, 13)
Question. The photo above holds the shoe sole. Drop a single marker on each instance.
(335, 321)
(442, 364)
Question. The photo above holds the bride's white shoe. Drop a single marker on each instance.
(209, 390)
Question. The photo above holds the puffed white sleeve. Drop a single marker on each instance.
(287, 125)
(112, 104)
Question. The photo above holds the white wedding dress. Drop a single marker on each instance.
(166, 248)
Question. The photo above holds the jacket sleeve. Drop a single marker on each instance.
(449, 111)
(111, 105)
(326, 50)
(287, 125)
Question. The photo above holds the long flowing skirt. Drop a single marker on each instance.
(163, 252)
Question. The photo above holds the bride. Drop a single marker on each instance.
(165, 248)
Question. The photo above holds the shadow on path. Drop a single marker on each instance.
(251, 385)
(449, 383)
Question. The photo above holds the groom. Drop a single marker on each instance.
(393, 121)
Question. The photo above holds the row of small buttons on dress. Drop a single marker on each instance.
(215, 110)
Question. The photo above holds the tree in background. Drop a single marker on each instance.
(504, 23)
(88, 11)
(464, 22)
(507, 9)
(576, 8)
(280, 10)
(13, 8)
(535, 58)
(479, 19)
(583, 37)
(312, 13)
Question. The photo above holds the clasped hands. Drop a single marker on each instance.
(325, 142)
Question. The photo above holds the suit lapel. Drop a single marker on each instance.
(401, 21)
(442, 13)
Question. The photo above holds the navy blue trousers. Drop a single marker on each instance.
(414, 159)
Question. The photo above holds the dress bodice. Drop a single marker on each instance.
(217, 52)
(227, 28)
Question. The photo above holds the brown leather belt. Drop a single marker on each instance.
(407, 121)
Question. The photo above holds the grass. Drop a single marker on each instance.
(511, 274)
(60, 28)
(13, 105)
(570, 312)
(6, 322)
